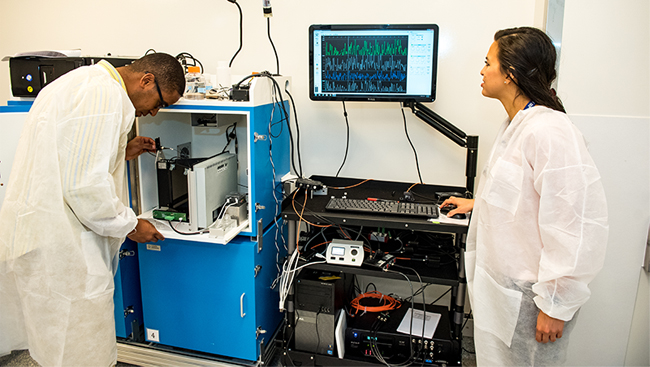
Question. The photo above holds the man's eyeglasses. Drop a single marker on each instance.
(162, 104)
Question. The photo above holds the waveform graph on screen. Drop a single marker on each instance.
(360, 64)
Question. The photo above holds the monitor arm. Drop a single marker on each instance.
(454, 134)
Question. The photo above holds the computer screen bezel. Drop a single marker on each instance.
(370, 96)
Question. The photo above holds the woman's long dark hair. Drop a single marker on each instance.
(528, 55)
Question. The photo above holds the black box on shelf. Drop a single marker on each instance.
(30, 74)
(320, 295)
(365, 336)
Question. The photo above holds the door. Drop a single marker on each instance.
(200, 296)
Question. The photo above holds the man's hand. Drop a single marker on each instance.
(139, 145)
(548, 328)
(145, 232)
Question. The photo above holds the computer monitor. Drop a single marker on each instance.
(373, 62)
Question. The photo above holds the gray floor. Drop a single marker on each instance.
(18, 358)
(22, 359)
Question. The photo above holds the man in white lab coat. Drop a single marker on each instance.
(65, 213)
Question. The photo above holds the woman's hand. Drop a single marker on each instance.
(548, 329)
(462, 205)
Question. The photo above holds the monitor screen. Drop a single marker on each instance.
(389, 62)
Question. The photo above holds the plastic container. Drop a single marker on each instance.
(194, 83)
(223, 74)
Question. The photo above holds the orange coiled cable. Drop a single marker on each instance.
(387, 302)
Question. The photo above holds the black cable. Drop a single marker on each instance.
(317, 332)
(347, 143)
(424, 308)
(295, 115)
(410, 359)
(428, 199)
(374, 348)
(465, 323)
(359, 235)
(184, 56)
(288, 342)
(419, 291)
(275, 83)
(182, 233)
(279, 188)
(322, 233)
(357, 286)
(320, 218)
(229, 138)
(417, 163)
(277, 60)
(241, 31)
(280, 121)
(366, 241)
(306, 247)
(442, 295)
(468, 316)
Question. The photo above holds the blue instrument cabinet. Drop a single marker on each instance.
(127, 301)
(201, 293)
(211, 298)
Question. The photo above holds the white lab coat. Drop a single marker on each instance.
(537, 237)
(63, 220)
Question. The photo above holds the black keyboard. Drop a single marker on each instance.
(383, 207)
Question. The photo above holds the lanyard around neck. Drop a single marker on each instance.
(530, 104)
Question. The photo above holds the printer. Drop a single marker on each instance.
(30, 74)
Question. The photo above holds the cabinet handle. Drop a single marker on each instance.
(241, 305)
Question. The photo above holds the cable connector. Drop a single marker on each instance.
(266, 8)
(383, 317)
(235, 199)
(309, 184)
(379, 237)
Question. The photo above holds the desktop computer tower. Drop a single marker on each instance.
(315, 332)
(320, 296)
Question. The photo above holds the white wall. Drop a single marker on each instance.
(604, 83)
(378, 146)
(638, 347)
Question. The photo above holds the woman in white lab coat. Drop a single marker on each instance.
(538, 230)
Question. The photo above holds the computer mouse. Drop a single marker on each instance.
(459, 216)
(449, 208)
